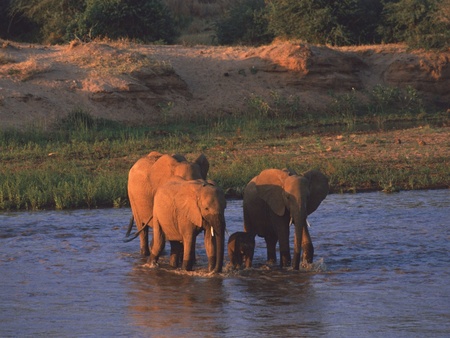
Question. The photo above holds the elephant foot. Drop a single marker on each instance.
(296, 261)
(306, 265)
(187, 265)
(308, 254)
(271, 262)
(306, 261)
(175, 260)
(285, 260)
(211, 263)
(152, 261)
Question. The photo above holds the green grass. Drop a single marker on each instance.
(83, 162)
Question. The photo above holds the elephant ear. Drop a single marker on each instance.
(318, 189)
(179, 158)
(203, 163)
(290, 171)
(269, 185)
(188, 203)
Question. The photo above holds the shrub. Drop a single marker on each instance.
(419, 23)
(77, 120)
(334, 22)
(244, 23)
(59, 21)
(145, 20)
(43, 20)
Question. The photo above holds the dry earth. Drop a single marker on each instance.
(39, 84)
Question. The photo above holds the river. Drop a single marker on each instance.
(382, 268)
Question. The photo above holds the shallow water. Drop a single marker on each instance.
(381, 269)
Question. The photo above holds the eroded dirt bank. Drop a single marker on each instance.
(39, 84)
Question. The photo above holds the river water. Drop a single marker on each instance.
(382, 268)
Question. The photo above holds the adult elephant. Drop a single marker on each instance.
(147, 175)
(184, 208)
(276, 198)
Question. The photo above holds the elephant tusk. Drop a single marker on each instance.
(308, 224)
(212, 231)
(291, 222)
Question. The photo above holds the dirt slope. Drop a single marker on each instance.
(39, 84)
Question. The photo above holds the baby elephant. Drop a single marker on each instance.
(241, 246)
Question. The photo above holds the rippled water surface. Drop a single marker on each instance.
(382, 268)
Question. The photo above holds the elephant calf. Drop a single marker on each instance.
(241, 246)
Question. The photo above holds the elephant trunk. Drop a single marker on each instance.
(218, 240)
(220, 245)
(300, 223)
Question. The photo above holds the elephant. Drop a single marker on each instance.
(241, 247)
(182, 209)
(146, 176)
(276, 198)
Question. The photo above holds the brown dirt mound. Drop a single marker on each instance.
(142, 84)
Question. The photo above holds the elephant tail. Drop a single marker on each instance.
(130, 226)
(137, 233)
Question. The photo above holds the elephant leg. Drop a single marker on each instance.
(238, 258)
(176, 253)
(151, 244)
(158, 244)
(285, 252)
(249, 256)
(307, 248)
(233, 259)
(271, 244)
(143, 236)
(188, 253)
(231, 251)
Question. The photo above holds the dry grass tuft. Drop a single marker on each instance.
(6, 59)
(115, 59)
(26, 70)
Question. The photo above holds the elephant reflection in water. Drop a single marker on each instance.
(167, 304)
(276, 198)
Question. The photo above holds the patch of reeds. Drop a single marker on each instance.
(83, 162)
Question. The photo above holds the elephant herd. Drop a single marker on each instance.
(173, 196)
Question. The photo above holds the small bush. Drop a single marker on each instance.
(325, 22)
(245, 23)
(76, 120)
(145, 20)
(419, 23)
(390, 100)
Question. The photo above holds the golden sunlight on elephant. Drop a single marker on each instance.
(276, 198)
(146, 176)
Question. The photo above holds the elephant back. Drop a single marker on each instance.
(269, 186)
